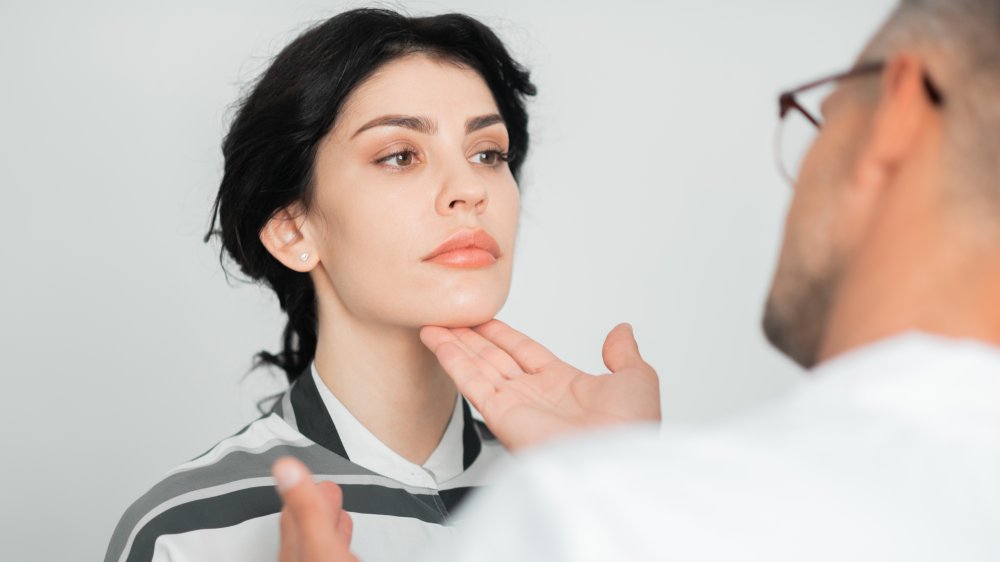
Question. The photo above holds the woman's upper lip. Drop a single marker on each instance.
(463, 239)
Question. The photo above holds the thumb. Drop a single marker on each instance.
(621, 350)
(315, 514)
(335, 498)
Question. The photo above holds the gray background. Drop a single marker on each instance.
(125, 348)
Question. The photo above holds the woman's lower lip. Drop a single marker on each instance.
(464, 257)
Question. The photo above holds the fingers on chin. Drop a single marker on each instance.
(488, 327)
(432, 335)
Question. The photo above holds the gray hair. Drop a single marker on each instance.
(960, 40)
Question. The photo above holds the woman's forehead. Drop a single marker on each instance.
(419, 85)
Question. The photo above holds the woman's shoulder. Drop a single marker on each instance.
(227, 485)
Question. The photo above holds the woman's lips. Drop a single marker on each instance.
(467, 249)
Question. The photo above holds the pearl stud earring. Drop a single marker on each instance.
(304, 257)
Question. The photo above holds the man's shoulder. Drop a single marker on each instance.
(784, 477)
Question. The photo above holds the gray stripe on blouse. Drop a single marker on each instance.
(239, 464)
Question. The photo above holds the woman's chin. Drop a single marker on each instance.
(463, 318)
(464, 313)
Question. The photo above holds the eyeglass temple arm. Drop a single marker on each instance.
(787, 100)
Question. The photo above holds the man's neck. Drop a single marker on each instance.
(936, 279)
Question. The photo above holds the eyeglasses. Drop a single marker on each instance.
(801, 118)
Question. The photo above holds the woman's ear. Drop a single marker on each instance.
(285, 238)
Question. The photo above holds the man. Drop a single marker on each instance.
(887, 289)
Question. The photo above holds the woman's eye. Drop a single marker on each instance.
(402, 159)
(489, 158)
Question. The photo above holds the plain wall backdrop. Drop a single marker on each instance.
(125, 348)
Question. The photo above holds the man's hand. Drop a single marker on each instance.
(527, 395)
(314, 525)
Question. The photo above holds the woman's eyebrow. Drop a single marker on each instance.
(473, 124)
(425, 125)
(419, 124)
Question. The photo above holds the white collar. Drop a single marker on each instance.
(916, 375)
(364, 449)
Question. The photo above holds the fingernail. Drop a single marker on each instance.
(287, 474)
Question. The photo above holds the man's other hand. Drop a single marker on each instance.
(314, 525)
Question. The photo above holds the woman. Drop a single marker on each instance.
(370, 181)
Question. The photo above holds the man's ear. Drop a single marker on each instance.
(285, 238)
(903, 110)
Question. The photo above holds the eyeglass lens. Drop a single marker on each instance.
(796, 132)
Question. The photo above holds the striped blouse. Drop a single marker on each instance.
(223, 504)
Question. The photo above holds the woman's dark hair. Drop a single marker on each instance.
(271, 145)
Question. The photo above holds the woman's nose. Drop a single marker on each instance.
(463, 193)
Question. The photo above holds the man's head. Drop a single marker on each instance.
(891, 169)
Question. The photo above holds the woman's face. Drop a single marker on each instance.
(415, 211)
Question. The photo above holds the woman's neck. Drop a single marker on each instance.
(388, 380)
